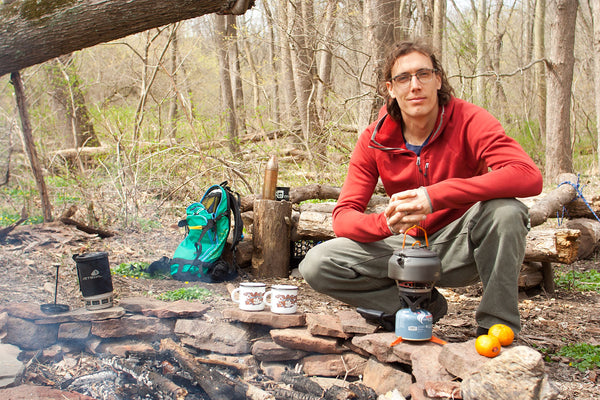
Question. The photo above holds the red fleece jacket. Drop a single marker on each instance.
(468, 158)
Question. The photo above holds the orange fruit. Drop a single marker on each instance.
(487, 345)
(504, 334)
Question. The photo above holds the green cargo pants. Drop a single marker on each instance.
(487, 243)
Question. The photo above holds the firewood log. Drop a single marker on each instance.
(553, 201)
(215, 384)
(590, 235)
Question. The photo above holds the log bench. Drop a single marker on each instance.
(313, 221)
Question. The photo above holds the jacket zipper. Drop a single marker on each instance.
(424, 172)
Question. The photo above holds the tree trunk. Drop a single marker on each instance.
(499, 97)
(379, 18)
(67, 93)
(596, 23)
(325, 81)
(236, 76)
(274, 88)
(173, 112)
(481, 51)
(439, 20)
(305, 72)
(227, 100)
(540, 68)
(34, 161)
(33, 32)
(285, 11)
(559, 153)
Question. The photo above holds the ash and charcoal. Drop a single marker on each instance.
(157, 376)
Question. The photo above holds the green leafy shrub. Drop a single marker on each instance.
(578, 280)
(585, 356)
(135, 270)
(186, 293)
(7, 219)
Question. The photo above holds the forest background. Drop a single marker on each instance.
(135, 129)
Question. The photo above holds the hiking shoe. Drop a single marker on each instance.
(481, 331)
(386, 321)
(437, 306)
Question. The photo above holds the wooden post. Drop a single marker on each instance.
(271, 238)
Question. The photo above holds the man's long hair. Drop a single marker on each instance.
(445, 93)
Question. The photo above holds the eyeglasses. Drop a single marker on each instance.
(424, 75)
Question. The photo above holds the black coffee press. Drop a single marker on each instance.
(53, 308)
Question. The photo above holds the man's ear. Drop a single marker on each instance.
(389, 87)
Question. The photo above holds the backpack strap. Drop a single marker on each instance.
(234, 202)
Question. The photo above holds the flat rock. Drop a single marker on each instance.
(81, 314)
(444, 390)
(10, 366)
(74, 330)
(346, 364)
(219, 337)
(3, 320)
(267, 350)
(265, 318)
(28, 392)
(122, 347)
(301, 339)
(426, 365)
(516, 374)
(326, 325)
(28, 335)
(378, 344)
(133, 325)
(461, 359)
(353, 323)
(383, 377)
(23, 310)
(164, 309)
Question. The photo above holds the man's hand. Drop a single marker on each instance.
(406, 209)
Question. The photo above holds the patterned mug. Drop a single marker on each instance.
(250, 296)
(283, 299)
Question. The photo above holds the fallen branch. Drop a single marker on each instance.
(66, 219)
(6, 230)
(553, 201)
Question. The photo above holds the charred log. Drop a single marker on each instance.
(149, 378)
(302, 383)
(216, 385)
(363, 391)
(285, 394)
(339, 393)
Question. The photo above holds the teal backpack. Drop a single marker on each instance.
(208, 223)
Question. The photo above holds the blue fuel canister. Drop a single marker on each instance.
(414, 325)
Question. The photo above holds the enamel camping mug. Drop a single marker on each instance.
(283, 299)
(250, 296)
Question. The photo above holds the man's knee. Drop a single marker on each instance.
(309, 266)
(508, 215)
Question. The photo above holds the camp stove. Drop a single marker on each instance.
(416, 271)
